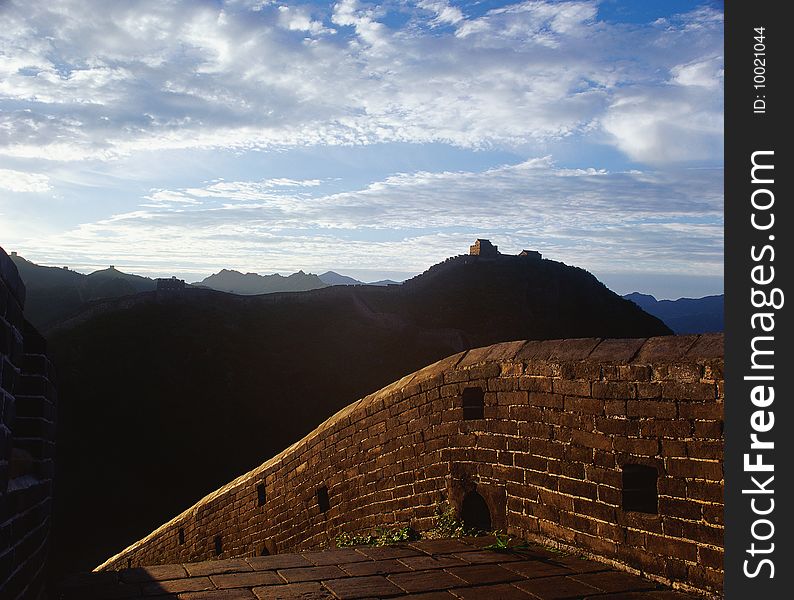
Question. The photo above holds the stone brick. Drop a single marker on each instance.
(362, 587)
(683, 373)
(426, 581)
(664, 546)
(585, 489)
(590, 406)
(676, 390)
(696, 469)
(613, 390)
(591, 440)
(635, 446)
(712, 558)
(684, 509)
(703, 411)
(557, 588)
(705, 449)
(712, 430)
(634, 373)
(535, 384)
(666, 428)
(665, 349)
(508, 398)
(651, 408)
(705, 491)
(616, 350)
(546, 400)
(649, 391)
(568, 387)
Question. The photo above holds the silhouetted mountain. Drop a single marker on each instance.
(165, 397)
(136, 282)
(331, 278)
(685, 315)
(385, 282)
(235, 282)
(54, 293)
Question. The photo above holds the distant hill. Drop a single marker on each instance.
(685, 315)
(332, 278)
(385, 282)
(235, 282)
(54, 293)
(163, 398)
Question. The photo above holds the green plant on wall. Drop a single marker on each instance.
(383, 536)
(448, 525)
(502, 543)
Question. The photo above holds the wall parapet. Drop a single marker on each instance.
(610, 446)
(27, 443)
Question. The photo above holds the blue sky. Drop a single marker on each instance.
(373, 139)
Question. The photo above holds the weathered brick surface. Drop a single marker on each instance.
(27, 434)
(562, 420)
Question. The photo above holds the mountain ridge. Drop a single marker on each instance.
(685, 315)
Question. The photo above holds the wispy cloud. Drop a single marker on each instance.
(663, 221)
(91, 79)
(20, 181)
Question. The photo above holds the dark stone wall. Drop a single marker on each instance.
(611, 447)
(27, 434)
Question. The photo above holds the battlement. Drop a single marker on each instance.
(610, 447)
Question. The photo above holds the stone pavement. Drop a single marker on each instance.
(428, 569)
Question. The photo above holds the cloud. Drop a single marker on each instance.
(443, 11)
(660, 221)
(94, 80)
(20, 181)
(298, 18)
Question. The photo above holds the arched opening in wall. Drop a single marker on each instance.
(474, 512)
(322, 499)
(264, 551)
(473, 403)
(639, 489)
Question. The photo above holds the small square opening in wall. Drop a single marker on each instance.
(639, 489)
(473, 403)
(261, 494)
(322, 499)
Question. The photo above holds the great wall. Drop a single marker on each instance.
(610, 448)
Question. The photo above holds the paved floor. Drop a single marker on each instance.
(428, 570)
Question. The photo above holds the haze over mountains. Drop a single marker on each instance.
(179, 392)
(55, 293)
(685, 315)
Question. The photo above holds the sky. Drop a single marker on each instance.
(179, 137)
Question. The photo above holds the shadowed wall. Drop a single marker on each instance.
(612, 447)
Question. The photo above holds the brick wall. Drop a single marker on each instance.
(613, 447)
(27, 430)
